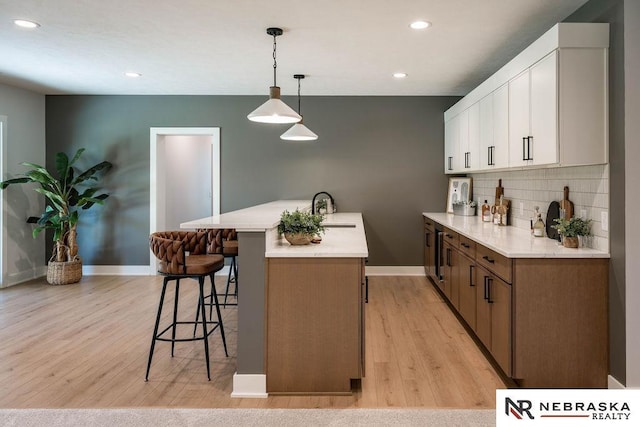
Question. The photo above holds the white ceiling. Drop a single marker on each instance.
(203, 47)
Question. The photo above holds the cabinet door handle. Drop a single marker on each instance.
(471, 268)
(486, 291)
(450, 160)
(489, 283)
(449, 236)
(464, 245)
(486, 257)
(524, 150)
(489, 156)
(426, 239)
(529, 138)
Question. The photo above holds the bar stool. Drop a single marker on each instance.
(224, 241)
(183, 255)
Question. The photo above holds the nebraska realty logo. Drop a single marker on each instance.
(567, 407)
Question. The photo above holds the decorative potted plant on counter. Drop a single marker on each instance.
(570, 229)
(300, 228)
(62, 211)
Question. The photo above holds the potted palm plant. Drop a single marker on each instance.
(66, 193)
(300, 228)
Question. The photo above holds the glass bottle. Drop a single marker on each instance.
(538, 226)
(486, 212)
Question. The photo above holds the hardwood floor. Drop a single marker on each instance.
(86, 346)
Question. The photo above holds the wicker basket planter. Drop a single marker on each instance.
(298, 238)
(64, 273)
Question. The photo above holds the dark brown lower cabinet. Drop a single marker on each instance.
(450, 274)
(544, 320)
(467, 278)
(493, 321)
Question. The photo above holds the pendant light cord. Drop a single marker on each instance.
(275, 64)
(299, 110)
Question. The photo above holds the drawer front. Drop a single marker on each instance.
(429, 224)
(494, 262)
(468, 246)
(451, 237)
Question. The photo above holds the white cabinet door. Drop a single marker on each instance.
(500, 151)
(451, 137)
(486, 132)
(543, 146)
(459, 163)
(519, 118)
(471, 156)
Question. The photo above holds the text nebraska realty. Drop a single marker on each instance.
(598, 410)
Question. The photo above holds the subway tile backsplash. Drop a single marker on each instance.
(588, 190)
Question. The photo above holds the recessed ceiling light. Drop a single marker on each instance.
(25, 24)
(132, 74)
(400, 75)
(420, 25)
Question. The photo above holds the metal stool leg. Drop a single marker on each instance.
(204, 325)
(224, 341)
(155, 329)
(175, 316)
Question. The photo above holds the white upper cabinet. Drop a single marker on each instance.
(472, 151)
(533, 115)
(546, 107)
(451, 133)
(494, 129)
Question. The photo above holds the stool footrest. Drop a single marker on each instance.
(214, 325)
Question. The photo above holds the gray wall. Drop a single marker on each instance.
(612, 11)
(25, 112)
(378, 155)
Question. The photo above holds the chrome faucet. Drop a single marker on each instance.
(313, 201)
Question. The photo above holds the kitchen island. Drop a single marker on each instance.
(276, 279)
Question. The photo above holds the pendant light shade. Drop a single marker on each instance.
(299, 132)
(274, 110)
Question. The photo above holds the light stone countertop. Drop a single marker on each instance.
(337, 242)
(510, 241)
(259, 218)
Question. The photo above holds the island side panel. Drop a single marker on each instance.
(251, 303)
(560, 309)
(313, 324)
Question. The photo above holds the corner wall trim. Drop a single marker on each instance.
(614, 384)
(249, 385)
(410, 270)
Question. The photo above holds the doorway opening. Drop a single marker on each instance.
(185, 177)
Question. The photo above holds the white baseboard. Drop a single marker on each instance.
(410, 270)
(116, 270)
(615, 384)
(126, 270)
(144, 270)
(249, 385)
(24, 276)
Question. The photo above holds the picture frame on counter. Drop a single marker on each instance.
(460, 190)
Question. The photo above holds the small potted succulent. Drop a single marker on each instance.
(300, 228)
(571, 228)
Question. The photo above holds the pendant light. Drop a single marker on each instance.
(299, 132)
(274, 110)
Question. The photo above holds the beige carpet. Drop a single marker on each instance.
(244, 417)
